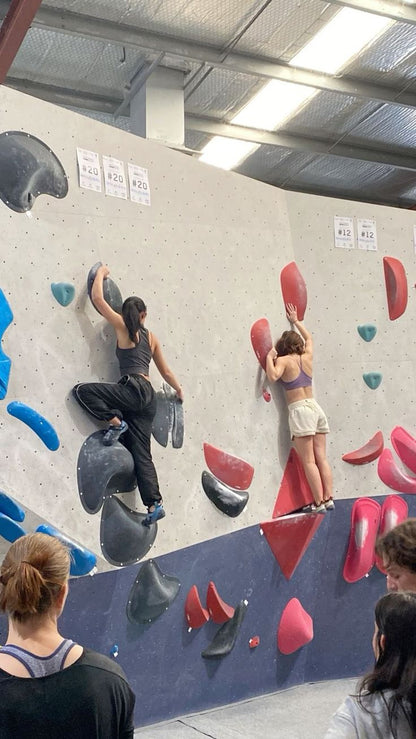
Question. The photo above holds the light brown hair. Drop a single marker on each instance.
(398, 546)
(32, 574)
(290, 342)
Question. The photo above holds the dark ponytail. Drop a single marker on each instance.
(32, 575)
(131, 310)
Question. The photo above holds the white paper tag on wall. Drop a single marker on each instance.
(139, 184)
(114, 178)
(367, 234)
(89, 170)
(344, 232)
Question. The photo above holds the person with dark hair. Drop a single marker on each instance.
(129, 406)
(290, 362)
(50, 686)
(397, 550)
(385, 706)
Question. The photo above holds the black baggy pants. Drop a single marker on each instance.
(133, 399)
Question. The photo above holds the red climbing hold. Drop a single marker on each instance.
(367, 453)
(393, 511)
(266, 395)
(294, 491)
(218, 609)
(392, 475)
(289, 538)
(396, 287)
(254, 642)
(295, 628)
(365, 519)
(405, 446)
(261, 339)
(232, 471)
(294, 288)
(195, 614)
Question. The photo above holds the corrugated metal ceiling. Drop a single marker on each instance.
(92, 64)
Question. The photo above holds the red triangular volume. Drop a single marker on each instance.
(289, 538)
(195, 614)
(218, 609)
(294, 491)
(295, 628)
(231, 470)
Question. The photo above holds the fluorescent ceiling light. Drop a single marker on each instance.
(275, 102)
(226, 153)
(340, 40)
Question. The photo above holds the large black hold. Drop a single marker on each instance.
(102, 471)
(151, 594)
(227, 500)
(124, 540)
(226, 635)
(28, 168)
(112, 294)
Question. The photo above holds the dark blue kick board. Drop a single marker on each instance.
(163, 661)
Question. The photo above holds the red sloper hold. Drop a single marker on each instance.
(405, 446)
(294, 491)
(195, 614)
(218, 609)
(396, 287)
(367, 453)
(295, 628)
(393, 511)
(294, 288)
(392, 475)
(289, 538)
(365, 519)
(261, 340)
(232, 471)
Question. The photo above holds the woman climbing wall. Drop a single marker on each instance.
(129, 405)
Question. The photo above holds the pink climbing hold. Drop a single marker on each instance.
(295, 628)
(232, 471)
(261, 340)
(367, 453)
(195, 614)
(365, 519)
(219, 611)
(294, 288)
(405, 446)
(396, 287)
(392, 475)
(393, 511)
(254, 642)
(266, 395)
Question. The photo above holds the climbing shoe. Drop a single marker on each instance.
(113, 433)
(155, 515)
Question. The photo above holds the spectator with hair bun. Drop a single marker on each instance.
(50, 686)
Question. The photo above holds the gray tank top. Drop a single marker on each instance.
(40, 666)
(136, 361)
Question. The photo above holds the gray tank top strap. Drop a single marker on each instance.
(40, 666)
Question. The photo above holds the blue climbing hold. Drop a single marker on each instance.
(6, 317)
(36, 422)
(367, 331)
(9, 529)
(82, 560)
(372, 379)
(63, 292)
(114, 651)
(10, 508)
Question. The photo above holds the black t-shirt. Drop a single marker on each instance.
(91, 699)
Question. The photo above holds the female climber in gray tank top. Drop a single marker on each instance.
(290, 362)
(129, 406)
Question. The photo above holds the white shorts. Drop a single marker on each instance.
(306, 418)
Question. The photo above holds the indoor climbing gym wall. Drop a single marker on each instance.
(222, 599)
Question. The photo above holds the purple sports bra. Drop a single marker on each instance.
(302, 380)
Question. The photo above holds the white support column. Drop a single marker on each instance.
(157, 109)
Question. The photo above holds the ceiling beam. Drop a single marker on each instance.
(388, 8)
(63, 96)
(299, 143)
(62, 21)
(17, 20)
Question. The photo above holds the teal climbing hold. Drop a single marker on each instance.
(6, 317)
(372, 379)
(63, 292)
(367, 331)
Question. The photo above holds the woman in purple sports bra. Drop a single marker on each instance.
(290, 362)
